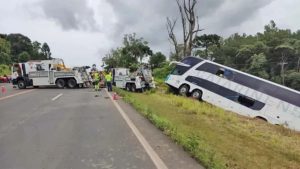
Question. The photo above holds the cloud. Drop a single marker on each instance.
(70, 14)
(148, 18)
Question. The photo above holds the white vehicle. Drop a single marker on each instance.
(236, 91)
(124, 80)
(47, 73)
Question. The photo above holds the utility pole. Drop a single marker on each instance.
(282, 64)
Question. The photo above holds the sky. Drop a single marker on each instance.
(82, 31)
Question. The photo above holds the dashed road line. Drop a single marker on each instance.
(150, 151)
(56, 97)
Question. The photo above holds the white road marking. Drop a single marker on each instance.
(150, 151)
(56, 97)
(17, 94)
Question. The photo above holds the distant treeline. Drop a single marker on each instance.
(19, 48)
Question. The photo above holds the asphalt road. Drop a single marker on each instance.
(73, 129)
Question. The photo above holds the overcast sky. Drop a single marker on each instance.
(83, 31)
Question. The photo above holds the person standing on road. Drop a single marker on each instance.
(108, 79)
(96, 81)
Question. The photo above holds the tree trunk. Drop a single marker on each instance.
(298, 64)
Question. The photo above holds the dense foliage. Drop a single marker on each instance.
(19, 48)
(4, 70)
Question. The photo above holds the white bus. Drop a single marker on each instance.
(236, 91)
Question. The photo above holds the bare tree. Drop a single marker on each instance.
(172, 38)
(282, 64)
(190, 24)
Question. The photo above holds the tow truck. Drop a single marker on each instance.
(48, 73)
(136, 81)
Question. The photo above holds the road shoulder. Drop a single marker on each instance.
(173, 155)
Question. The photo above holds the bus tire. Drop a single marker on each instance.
(21, 84)
(197, 94)
(60, 83)
(71, 83)
(183, 90)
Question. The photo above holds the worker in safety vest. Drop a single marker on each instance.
(108, 80)
(96, 80)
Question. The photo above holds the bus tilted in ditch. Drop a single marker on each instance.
(236, 91)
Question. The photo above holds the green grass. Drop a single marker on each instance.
(4, 70)
(217, 138)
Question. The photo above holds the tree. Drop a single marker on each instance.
(37, 51)
(297, 52)
(285, 50)
(190, 25)
(136, 47)
(172, 38)
(157, 60)
(5, 58)
(19, 43)
(46, 51)
(4, 52)
(257, 66)
(293, 80)
(205, 41)
(23, 57)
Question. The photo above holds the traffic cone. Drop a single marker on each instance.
(115, 96)
(3, 89)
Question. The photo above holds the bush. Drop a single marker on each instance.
(4, 70)
(162, 72)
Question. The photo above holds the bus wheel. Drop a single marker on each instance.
(72, 83)
(183, 90)
(197, 94)
(261, 119)
(21, 84)
(60, 83)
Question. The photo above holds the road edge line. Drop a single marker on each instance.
(17, 94)
(149, 150)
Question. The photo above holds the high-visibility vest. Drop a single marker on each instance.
(108, 77)
(96, 76)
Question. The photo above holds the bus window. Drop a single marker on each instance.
(228, 74)
(192, 61)
(220, 72)
(179, 70)
(246, 101)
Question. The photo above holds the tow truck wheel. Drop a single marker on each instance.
(60, 83)
(72, 83)
(183, 90)
(133, 88)
(21, 84)
(128, 88)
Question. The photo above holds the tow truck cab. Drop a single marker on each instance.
(20, 75)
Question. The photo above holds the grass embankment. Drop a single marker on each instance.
(218, 139)
(4, 70)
